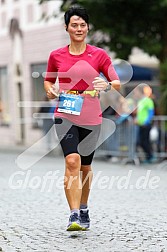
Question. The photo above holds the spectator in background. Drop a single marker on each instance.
(144, 116)
(1, 110)
(46, 121)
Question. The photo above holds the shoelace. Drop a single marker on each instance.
(84, 216)
(74, 217)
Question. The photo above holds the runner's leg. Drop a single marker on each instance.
(72, 180)
(87, 176)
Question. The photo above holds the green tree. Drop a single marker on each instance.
(128, 23)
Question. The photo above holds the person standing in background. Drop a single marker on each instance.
(144, 116)
(46, 121)
(1, 110)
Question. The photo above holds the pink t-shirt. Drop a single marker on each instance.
(76, 72)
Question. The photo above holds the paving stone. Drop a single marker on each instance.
(122, 219)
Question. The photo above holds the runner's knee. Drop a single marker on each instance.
(73, 162)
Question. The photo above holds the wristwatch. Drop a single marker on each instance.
(108, 88)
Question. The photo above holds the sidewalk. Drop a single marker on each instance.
(18, 149)
(12, 148)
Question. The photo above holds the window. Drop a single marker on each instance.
(4, 98)
(38, 92)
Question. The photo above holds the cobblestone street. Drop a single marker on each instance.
(128, 208)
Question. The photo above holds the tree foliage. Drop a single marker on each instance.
(128, 23)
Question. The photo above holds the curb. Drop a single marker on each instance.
(18, 149)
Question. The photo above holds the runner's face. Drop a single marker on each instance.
(77, 29)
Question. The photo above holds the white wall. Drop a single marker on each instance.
(39, 39)
(28, 12)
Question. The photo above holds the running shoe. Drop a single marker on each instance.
(85, 220)
(74, 223)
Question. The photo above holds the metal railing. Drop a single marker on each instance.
(123, 142)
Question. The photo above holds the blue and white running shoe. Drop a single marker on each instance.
(74, 223)
(85, 220)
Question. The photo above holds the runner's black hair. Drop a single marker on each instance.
(78, 11)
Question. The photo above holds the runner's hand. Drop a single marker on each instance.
(52, 93)
(99, 84)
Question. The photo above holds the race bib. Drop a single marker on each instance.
(70, 104)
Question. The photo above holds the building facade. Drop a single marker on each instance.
(28, 33)
(26, 40)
